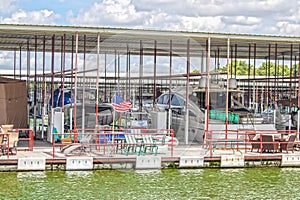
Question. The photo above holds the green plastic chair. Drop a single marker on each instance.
(132, 145)
(148, 143)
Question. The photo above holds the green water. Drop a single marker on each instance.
(258, 183)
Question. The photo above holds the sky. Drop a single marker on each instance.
(269, 17)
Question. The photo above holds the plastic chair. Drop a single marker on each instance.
(148, 143)
(132, 145)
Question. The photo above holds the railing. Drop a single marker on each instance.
(6, 138)
(30, 137)
(106, 140)
(225, 140)
(240, 140)
(272, 140)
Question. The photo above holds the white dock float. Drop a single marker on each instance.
(191, 161)
(31, 164)
(148, 162)
(79, 163)
(232, 161)
(290, 160)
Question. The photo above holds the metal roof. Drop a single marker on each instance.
(121, 40)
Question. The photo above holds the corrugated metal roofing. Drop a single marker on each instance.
(16, 37)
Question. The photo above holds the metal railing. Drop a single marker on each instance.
(106, 141)
(240, 140)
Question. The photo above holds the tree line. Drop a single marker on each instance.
(241, 68)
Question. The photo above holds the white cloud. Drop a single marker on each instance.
(192, 15)
(277, 17)
(6, 6)
(110, 12)
(288, 28)
(31, 17)
(293, 15)
(6, 60)
(201, 24)
(235, 16)
(215, 7)
(242, 20)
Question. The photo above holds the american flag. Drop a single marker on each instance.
(119, 104)
(124, 106)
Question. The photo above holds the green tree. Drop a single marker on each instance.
(239, 68)
(281, 70)
(195, 71)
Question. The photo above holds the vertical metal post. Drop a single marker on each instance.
(170, 85)
(97, 80)
(255, 97)
(43, 89)
(15, 62)
(154, 74)
(298, 94)
(218, 59)
(291, 74)
(231, 59)
(75, 93)
(186, 128)
(105, 79)
(52, 88)
(118, 65)
(28, 76)
(35, 86)
(115, 79)
(298, 89)
(72, 75)
(235, 59)
(63, 68)
(140, 76)
(20, 64)
(83, 84)
(282, 74)
(275, 75)
(127, 93)
(268, 77)
(215, 52)
(207, 97)
(227, 88)
(249, 74)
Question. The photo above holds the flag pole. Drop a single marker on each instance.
(113, 126)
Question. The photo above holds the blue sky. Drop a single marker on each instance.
(274, 17)
(61, 7)
(269, 17)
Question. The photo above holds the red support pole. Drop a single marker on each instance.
(31, 140)
(53, 145)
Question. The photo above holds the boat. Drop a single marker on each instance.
(177, 103)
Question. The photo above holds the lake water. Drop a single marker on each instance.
(254, 183)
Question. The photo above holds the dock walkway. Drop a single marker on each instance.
(108, 160)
